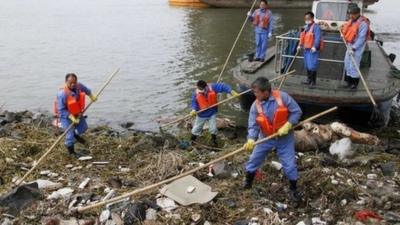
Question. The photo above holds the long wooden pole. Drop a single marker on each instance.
(359, 72)
(235, 43)
(156, 185)
(18, 182)
(225, 100)
(290, 66)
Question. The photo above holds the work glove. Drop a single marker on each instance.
(313, 49)
(350, 51)
(234, 93)
(284, 130)
(93, 97)
(249, 13)
(269, 36)
(249, 145)
(193, 113)
(73, 119)
(298, 48)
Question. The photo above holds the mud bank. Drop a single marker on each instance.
(333, 189)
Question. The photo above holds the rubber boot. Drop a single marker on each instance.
(79, 139)
(313, 79)
(214, 140)
(294, 194)
(248, 182)
(193, 137)
(308, 80)
(355, 82)
(347, 79)
(71, 151)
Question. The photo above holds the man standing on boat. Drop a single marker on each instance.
(311, 41)
(355, 32)
(272, 112)
(68, 108)
(203, 97)
(263, 24)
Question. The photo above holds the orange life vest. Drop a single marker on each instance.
(207, 101)
(261, 22)
(307, 39)
(350, 29)
(281, 116)
(75, 105)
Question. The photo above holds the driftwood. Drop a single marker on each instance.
(314, 136)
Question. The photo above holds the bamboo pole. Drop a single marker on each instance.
(290, 66)
(235, 43)
(18, 182)
(156, 185)
(225, 100)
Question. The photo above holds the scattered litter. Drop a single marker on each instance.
(166, 204)
(104, 216)
(281, 206)
(196, 217)
(45, 172)
(267, 211)
(20, 197)
(151, 214)
(76, 168)
(317, 221)
(85, 158)
(109, 195)
(364, 215)
(190, 189)
(341, 148)
(124, 170)
(47, 185)
(84, 183)
(100, 163)
(69, 166)
(372, 176)
(276, 165)
(177, 191)
(134, 213)
(235, 174)
(63, 192)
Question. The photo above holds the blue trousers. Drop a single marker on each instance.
(199, 124)
(286, 153)
(261, 45)
(311, 60)
(79, 129)
(351, 70)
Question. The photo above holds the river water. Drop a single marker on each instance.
(161, 51)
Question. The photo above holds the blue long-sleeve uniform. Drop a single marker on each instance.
(63, 113)
(261, 33)
(218, 88)
(358, 47)
(284, 145)
(311, 58)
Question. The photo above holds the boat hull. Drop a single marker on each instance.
(273, 4)
(355, 114)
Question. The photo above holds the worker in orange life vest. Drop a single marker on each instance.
(203, 97)
(311, 41)
(69, 105)
(262, 20)
(356, 33)
(272, 112)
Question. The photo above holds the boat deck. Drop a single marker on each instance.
(329, 88)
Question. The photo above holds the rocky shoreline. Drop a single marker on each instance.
(334, 190)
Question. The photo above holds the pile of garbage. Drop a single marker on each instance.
(341, 181)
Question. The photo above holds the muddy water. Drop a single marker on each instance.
(161, 51)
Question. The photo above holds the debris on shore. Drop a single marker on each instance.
(357, 188)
